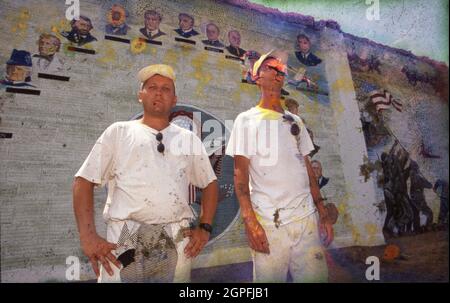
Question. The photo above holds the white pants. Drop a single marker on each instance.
(294, 247)
(183, 267)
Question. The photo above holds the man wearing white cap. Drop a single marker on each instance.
(147, 165)
(275, 185)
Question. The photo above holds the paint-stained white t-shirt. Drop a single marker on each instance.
(143, 184)
(279, 182)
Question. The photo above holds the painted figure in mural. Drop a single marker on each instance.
(18, 69)
(47, 60)
(212, 32)
(186, 26)
(252, 57)
(440, 187)
(80, 33)
(152, 21)
(284, 196)
(304, 54)
(388, 190)
(292, 106)
(418, 184)
(399, 212)
(117, 17)
(317, 168)
(147, 178)
(234, 37)
(404, 214)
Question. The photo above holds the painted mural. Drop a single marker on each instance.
(408, 151)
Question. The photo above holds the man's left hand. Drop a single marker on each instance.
(199, 238)
(325, 227)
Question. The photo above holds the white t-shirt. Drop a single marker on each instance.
(145, 185)
(279, 181)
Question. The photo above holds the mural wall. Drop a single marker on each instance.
(64, 81)
(403, 101)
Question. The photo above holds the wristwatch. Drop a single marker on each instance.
(206, 226)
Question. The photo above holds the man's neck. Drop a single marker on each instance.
(271, 100)
(158, 123)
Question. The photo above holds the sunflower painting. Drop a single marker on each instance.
(117, 21)
(137, 45)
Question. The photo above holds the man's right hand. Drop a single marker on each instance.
(97, 250)
(256, 235)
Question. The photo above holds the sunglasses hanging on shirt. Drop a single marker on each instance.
(295, 129)
(160, 147)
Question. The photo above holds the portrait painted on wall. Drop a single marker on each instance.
(251, 57)
(234, 48)
(47, 60)
(152, 20)
(80, 32)
(186, 26)
(212, 33)
(18, 70)
(117, 18)
(304, 54)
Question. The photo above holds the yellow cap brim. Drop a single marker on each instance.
(156, 69)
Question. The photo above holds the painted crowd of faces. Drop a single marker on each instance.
(46, 60)
(21, 63)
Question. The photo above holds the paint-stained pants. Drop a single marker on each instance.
(295, 248)
(183, 267)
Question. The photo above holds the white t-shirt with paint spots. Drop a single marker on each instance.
(145, 185)
(279, 182)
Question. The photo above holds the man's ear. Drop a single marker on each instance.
(140, 95)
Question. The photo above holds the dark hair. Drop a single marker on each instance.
(85, 19)
(291, 102)
(152, 12)
(303, 36)
(186, 15)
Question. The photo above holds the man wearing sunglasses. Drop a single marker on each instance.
(148, 165)
(280, 210)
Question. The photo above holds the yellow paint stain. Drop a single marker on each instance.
(19, 23)
(337, 107)
(356, 235)
(342, 84)
(312, 108)
(372, 230)
(244, 88)
(109, 55)
(342, 208)
(171, 57)
(24, 14)
(153, 51)
(201, 74)
(22, 26)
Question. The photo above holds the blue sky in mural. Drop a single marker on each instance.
(420, 26)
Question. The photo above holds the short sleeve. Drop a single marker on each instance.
(306, 144)
(201, 171)
(242, 141)
(98, 166)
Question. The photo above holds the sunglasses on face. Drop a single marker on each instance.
(160, 146)
(295, 129)
(279, 73)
